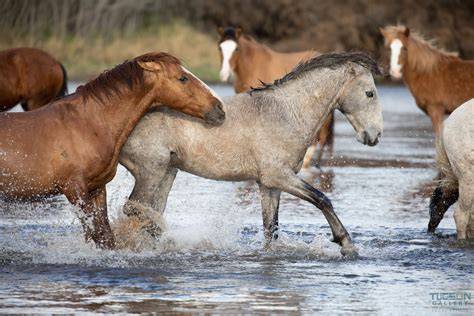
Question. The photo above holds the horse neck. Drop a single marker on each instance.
(119, 116)
(246, 65)
(308, 100)
(422, 59)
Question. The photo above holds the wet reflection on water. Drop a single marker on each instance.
(210, 259)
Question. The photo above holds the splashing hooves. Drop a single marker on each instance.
(350, 251)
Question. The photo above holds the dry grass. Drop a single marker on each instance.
(86, 58)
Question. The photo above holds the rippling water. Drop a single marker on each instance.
(210, 259)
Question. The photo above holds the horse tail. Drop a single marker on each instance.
(63, 91)
(446, 192)
(448, 179)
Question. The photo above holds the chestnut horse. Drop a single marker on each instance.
(439, 81)
(31, 77)
(72, 145)
(253, 63)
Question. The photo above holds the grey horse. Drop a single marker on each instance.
(264, 138)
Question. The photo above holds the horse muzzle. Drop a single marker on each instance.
(369, 136)
(396, 73)
(224, 75)
(216, 116)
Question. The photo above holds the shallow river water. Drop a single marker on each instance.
(211, 258)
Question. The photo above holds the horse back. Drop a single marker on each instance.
(449, 86)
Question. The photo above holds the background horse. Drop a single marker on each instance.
(245, 148)
(72, 145)
(438, 80)
(253, 63)
(31, 77)
(456, 164)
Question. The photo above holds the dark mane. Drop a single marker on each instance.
(331, 61)
(129, 74)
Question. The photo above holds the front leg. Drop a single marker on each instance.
(270, 204)
(286, 180)
(93, 215)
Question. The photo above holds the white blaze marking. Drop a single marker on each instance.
(214, 94)
(395, 68)
(227, 48)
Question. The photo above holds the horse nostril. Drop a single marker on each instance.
(366, 137)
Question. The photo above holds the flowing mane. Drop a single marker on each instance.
(331, 61)
(129, 74)
(424, 55)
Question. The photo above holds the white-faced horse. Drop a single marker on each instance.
(264, 137)
(455, 151)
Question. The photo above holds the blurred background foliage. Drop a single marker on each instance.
(89, 36)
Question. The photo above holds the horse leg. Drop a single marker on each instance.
(93, 216)
(441, 200)
(153, 181)
(309, 155)
(270, 204)
(326, 138)
(436, 114)
(290, 183)
(462, 213)
(160, 197)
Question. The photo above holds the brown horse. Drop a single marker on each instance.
(439, 81)
(253, 63)
(72, 145)
(31, 77)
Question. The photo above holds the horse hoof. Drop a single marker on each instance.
(350, 251)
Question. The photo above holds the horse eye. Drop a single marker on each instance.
(183, 79)
(369, 94)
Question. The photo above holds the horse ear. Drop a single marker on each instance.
(238, 32)
(382, 30)
(150, 65)
(406, 32)
(220, 30)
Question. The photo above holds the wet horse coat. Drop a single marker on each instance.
(439, 81)
(245, 148)
(253, 63)
(72, 145)
(31, 77)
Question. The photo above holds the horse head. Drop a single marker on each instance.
(360, 103)
(229, 50)
(396, 37)
(174, 86)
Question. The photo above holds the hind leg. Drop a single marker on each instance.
(441, 200)
(464, 212)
